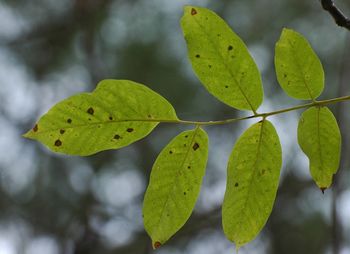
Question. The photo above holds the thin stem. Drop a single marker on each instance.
(263, 115)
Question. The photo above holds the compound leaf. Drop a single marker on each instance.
(116, 114)
(320, 139)
(174, 185)
(299, 70)
(252, 180)
(221, 60)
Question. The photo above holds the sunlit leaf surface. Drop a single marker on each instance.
(116, 114)
(174, 186)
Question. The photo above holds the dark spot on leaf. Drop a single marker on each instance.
(157, 245)
(285, 75)
(198, 56)
(111, 118)
(218, 35)
(129, 129)
(149, 116)
(189, 167)
(230, 47)
(185, 193)
(171, 152)
(236, 184)
(185, 145)
(62, 131)
(69, 120)
(323, 189)
(226, 86)
(263, 172)
(209, 66)
(186, 136)
(35, 128)
(193, 12)
(58, 142)
(99, 126)
(89, 119)
(167, 215)
(90, 111)
(195, 146)
(117, 136)
(232, 57)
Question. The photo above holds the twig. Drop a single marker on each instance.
(336, 13)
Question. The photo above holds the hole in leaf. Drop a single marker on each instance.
(90, 111)
(195, 146)
(62, 131)
(58, 142)
(193, 12)
(69, 120)
(129, 129)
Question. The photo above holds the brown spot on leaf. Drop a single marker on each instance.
(195, 146)
(193, 12)
(117, 136)
(90, 111)
(229, 48)
(236, 184)
(58, 142)
(129, 129)
(62, 131)
(35, 128)
(69, 120)
(156, 245)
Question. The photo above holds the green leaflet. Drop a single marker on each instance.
(174, 185)
(116, 114)
(221, 60)
(252, 180)
(299, 71)
(320, 139)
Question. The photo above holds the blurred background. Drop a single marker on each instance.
(53, 204)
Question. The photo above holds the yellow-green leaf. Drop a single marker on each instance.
(174, 185)
(252, 180)
(299, 70)
(116, 114)
(320, 139)
(221, 60)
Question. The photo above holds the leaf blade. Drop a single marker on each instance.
(299, 70)
(320, 139)
(221, 60)
(253, 174)
(175, 184)
(116, 114)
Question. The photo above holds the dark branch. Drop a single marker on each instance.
(336, 13)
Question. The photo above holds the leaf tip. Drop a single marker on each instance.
(156, 245)
(323, 189)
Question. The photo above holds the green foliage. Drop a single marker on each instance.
(298, 69)
(252, 179)
(116, 114)
(221, 60)
(319, 138)
(120, 112)
(174, 185)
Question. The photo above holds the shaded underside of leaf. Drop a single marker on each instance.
(174, 185)
(299, 70)
(320, 139)
(221, 60)
(252, 180)
(116, 114)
